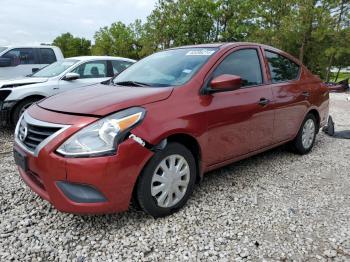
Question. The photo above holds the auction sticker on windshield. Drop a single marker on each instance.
(201, 52)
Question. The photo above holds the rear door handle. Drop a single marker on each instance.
(263, 101)
(306, 94)
(56, 88)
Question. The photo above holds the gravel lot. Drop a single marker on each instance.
(274, 206)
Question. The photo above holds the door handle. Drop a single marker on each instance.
(56, 88)
(306, 94)
(263, 101)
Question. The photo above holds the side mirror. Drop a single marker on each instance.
(224, 83)
(5, 62)
(34, 70)
(71, 76)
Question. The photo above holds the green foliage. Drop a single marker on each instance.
(116, 40)
(315, 31)
(72, 46)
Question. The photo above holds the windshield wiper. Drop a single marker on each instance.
(131, 83)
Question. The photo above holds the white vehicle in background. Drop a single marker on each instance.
(17, 61)
(18, 94)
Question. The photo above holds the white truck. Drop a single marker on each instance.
(19, 61)
(16, 95)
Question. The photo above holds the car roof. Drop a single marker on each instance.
(224, 45)
(29, 46)
(229, 45)
(87, 58)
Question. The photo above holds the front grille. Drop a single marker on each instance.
(31, 135)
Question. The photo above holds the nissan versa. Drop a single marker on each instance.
(162, 123)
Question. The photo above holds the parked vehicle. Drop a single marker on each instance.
(19, 61)
(18, 94)
(163, 123)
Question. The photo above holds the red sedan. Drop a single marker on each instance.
(161, 124)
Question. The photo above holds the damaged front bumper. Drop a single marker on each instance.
(6, 108)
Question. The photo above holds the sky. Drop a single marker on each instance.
(40, 21)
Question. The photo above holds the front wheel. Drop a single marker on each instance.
(167, 181)
(305, 139)
(21, 107)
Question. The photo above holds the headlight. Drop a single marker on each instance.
(102, 136)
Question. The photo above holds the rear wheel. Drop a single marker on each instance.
(304, 141)
(167, 181)
(21, 107)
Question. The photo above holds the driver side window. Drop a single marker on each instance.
(92, 69)
(244, 63)
(21, 56)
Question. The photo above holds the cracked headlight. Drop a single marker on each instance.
(102, 136)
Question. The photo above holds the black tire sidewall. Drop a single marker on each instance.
(17, 111)
(146, 201)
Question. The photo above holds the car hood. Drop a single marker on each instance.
(101, 100)
(13, 83)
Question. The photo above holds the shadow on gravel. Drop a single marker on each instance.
(233, 172)
(345, 134)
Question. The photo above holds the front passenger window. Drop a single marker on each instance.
(244, 63)
(93, 69)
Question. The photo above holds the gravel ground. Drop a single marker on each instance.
(274, 206)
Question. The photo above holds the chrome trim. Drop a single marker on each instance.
(36, 122)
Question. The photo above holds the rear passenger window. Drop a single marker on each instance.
(244, 63)
(93, 69)
(21, 56)
(119, 66)
(47, 56)
(281, 68)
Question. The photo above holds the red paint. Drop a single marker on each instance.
(227, 126)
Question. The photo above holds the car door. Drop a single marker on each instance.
(91, 72)
(240, 121)
(290, 95)
(21, 62)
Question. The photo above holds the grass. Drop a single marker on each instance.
(341, 76)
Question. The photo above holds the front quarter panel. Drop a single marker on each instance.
(44, 89)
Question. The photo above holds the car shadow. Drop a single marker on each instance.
(228, 174)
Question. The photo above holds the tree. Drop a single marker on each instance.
(72, 46)
(116, 40)
(315, 31)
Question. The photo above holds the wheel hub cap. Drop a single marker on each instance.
(170, 181)
(308, 133)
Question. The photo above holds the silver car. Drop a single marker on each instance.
(18, 94)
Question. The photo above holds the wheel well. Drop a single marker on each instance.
(317, 116)
(37, 97)
(192, 145)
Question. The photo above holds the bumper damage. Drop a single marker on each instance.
(86, 185)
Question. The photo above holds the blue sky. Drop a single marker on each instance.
(40, 21)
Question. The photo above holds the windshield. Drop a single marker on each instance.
(2, 48)
(55, 69)
(168, 68)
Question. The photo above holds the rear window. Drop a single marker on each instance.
(281, 68)
(119, 66)
(47, 56)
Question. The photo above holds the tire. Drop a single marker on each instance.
(154, 183)
(20, 108)
(305, 131)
